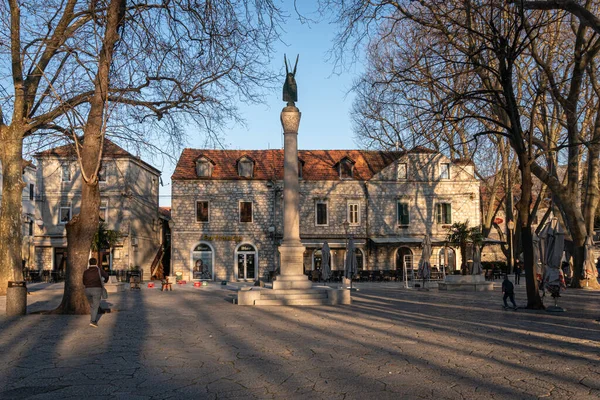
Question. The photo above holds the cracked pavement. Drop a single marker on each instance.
(391, 343)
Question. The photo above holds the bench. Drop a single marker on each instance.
(166, 285)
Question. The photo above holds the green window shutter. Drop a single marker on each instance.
(448, 213)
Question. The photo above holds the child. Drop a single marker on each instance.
(508, 289)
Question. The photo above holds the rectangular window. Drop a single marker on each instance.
(65, 215)
(30, 228)
(321, 213)
(202, 211)
(31, 191)
(103, 211)
(245, 211)
(443, 212)
(403, 214)
(66, 173)
(354, 213)
(102, 175)
(444, 171)
(402, 171)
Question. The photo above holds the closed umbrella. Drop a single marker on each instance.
(325, 258)
(554, 238)
(589, 267)
(350, 266)
(424, 264)
(477, 267)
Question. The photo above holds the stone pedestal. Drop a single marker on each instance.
(292, 270)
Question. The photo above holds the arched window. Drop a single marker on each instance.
(360, 261)
(317, 259)
(247, 262)
(202, 262)
(451, 264)
(404, 258)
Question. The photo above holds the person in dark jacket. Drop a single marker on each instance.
(518, 270)
(508, 289)
(93, 288)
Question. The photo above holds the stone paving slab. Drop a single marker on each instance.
(391, 343)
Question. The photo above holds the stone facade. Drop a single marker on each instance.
(28, 201)
(223, 240)
(129, 204)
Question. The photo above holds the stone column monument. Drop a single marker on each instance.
(291, 250)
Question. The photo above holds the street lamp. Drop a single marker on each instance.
(510, 225)
(346, 226)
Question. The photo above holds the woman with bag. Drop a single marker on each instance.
(94, 288)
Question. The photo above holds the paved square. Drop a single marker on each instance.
(392, 343)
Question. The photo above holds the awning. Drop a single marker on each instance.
(493, 241)
(332, 243)
(405, 240)
(50, 241)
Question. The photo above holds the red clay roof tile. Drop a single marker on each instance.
(268, 164)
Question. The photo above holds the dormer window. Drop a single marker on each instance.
(300, 165)
(204, 167)
(246, 167)
(346, 167)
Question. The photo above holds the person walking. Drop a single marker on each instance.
(93, 288)
(518, 270)
(508, 290)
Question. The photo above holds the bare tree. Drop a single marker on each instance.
(581, 11)
(173, 63)
(479, 45)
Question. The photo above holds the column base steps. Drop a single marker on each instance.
(293, 297)
(290, 297)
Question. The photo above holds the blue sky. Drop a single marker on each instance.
(323, 99)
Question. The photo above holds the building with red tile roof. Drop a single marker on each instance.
(227, 209)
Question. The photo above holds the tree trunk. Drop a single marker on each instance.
(82, 228)
(11, 263)
(80, 233)
(534, 301)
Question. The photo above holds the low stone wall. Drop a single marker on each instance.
(467, 283)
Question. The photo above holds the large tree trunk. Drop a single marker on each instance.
(11, 206)
(534, 300)
(80, 233)
(81, 229)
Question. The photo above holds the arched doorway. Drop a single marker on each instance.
(247, 260)
(451, 265)
(360, 259)
(317, 259)
(202, 262)
(404, 258)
